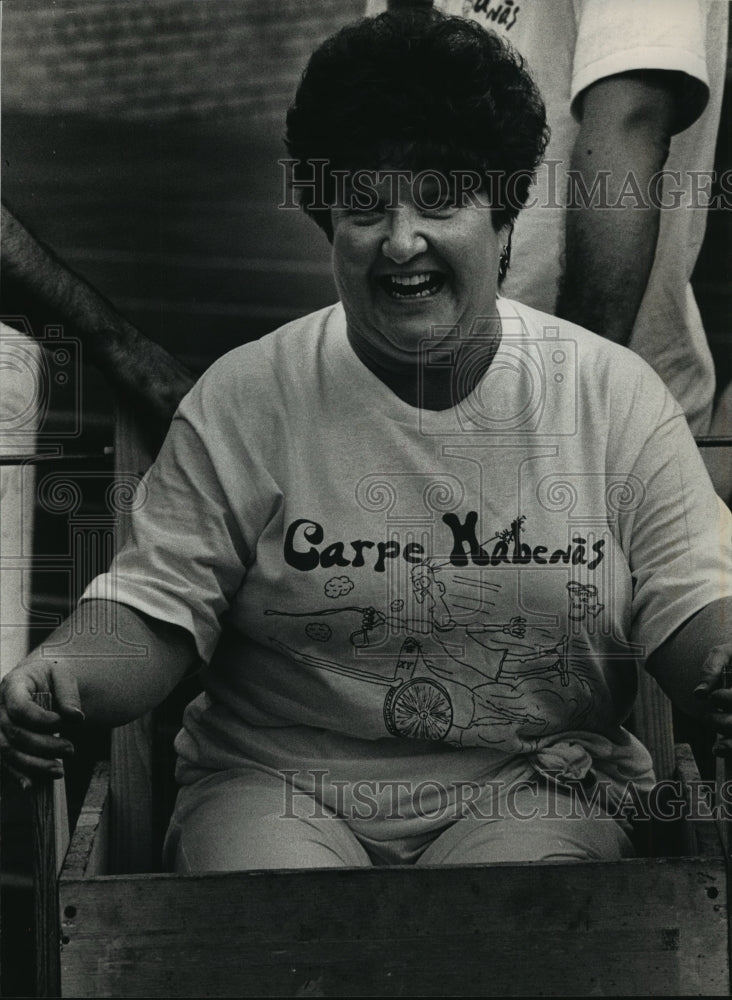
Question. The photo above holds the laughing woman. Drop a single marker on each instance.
(421, 540)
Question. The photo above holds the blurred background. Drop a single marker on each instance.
(140, 139)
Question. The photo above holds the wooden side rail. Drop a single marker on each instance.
(616, 928)
(491, 930)
(495, 930)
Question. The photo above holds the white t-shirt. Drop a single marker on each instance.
(568, 45)
(409, 595)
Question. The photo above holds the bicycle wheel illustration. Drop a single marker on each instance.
(420, 709)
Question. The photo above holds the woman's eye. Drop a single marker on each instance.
(436, 207)
(364, 215)
(438, 211)
(434, 202)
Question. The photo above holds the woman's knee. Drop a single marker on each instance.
(529, 828)
(239, 822)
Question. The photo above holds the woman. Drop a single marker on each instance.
(420, 539)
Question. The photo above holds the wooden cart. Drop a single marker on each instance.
(655, 925)
(652, 925)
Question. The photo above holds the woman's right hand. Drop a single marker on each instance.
(30, 742)
(122, 672)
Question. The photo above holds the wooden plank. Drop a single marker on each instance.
(88, 852)
(633, 927)
(652, 723)
(61, 822)
(46, 914)
(701, 834)
(131, 828)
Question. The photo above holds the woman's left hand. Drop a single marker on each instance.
(715, 690)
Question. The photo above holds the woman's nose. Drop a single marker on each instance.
(404, 239)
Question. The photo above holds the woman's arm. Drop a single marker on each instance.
(691, 667)
(106, 663)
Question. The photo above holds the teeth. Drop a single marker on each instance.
(423, 293)
(409, 279)
(413, 285)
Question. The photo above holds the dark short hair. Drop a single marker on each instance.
(444, 91)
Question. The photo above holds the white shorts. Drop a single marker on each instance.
(237, 820)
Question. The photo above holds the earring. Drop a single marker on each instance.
(504, 260)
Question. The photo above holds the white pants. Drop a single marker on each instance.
(234, 820)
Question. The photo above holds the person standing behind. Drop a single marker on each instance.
(633, 90)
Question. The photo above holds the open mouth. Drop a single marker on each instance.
(412, 286)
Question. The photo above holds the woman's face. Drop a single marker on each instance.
(403, 269)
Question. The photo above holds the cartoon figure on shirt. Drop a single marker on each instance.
(495, 698)
(506, 707)
(420, 707)
(556, 654)
(583, 601)
(430, 593)
(430, 700)
(424, 585)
